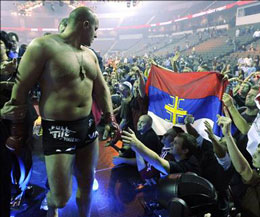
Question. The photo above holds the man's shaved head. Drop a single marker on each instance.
(83, 24)
(81, 14)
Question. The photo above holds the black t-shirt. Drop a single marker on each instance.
(210, 168)
(150, 140)
(239, 100)
(188, 165)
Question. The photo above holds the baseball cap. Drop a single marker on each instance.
(128, 84)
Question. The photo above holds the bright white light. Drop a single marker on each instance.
(14, 13)
(116, 15)
(122, 6)
(95, 185)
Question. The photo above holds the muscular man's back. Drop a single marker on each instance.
(66, 92)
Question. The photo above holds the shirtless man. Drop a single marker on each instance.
(68, 74)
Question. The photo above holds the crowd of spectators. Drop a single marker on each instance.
(225, 162)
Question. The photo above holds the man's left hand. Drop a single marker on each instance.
(113, 127)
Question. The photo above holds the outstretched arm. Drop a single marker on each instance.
(217, 148)
(238, 160)
(188, 120)
(150, 156)
(141, 83)
(239, 121)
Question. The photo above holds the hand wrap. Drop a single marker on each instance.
(17, 138)
(116, 132)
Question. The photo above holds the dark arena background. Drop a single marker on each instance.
(171, 67)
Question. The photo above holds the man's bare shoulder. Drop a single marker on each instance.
(45, 41)
(89, 52)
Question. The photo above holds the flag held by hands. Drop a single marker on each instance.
(174, 95)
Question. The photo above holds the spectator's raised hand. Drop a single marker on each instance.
(189, 119)
(225, 77)
(209, 130)
(225, 122)
(227, 100)
(129, 138)
(138, 71)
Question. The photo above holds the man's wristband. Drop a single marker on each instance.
(109, 117)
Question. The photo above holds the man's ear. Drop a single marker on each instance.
(86, 24)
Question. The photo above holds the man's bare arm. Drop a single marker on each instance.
(101, 90)
(239, 121)
(29, 71)
(238, 160)
(149, 155)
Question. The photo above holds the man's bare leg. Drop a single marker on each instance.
(59, 170)
(52, 210)
(85, 165)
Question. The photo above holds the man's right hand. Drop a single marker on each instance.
(227, 100)
(13, 112)
(113, 126)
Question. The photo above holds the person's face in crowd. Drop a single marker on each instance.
(143, 125)
(14, 43)
(124, 90)
(250, 98)
(228, 67)
(90, 28)
(244, 89)
(2, 48)
(167, 139)
(135, 88)
(113, 82)
(176, 145)
(256, 157)
(200, 69)
(113, 75)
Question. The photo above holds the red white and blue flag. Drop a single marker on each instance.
(174, 95)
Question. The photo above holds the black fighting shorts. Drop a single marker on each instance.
(67, 136)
